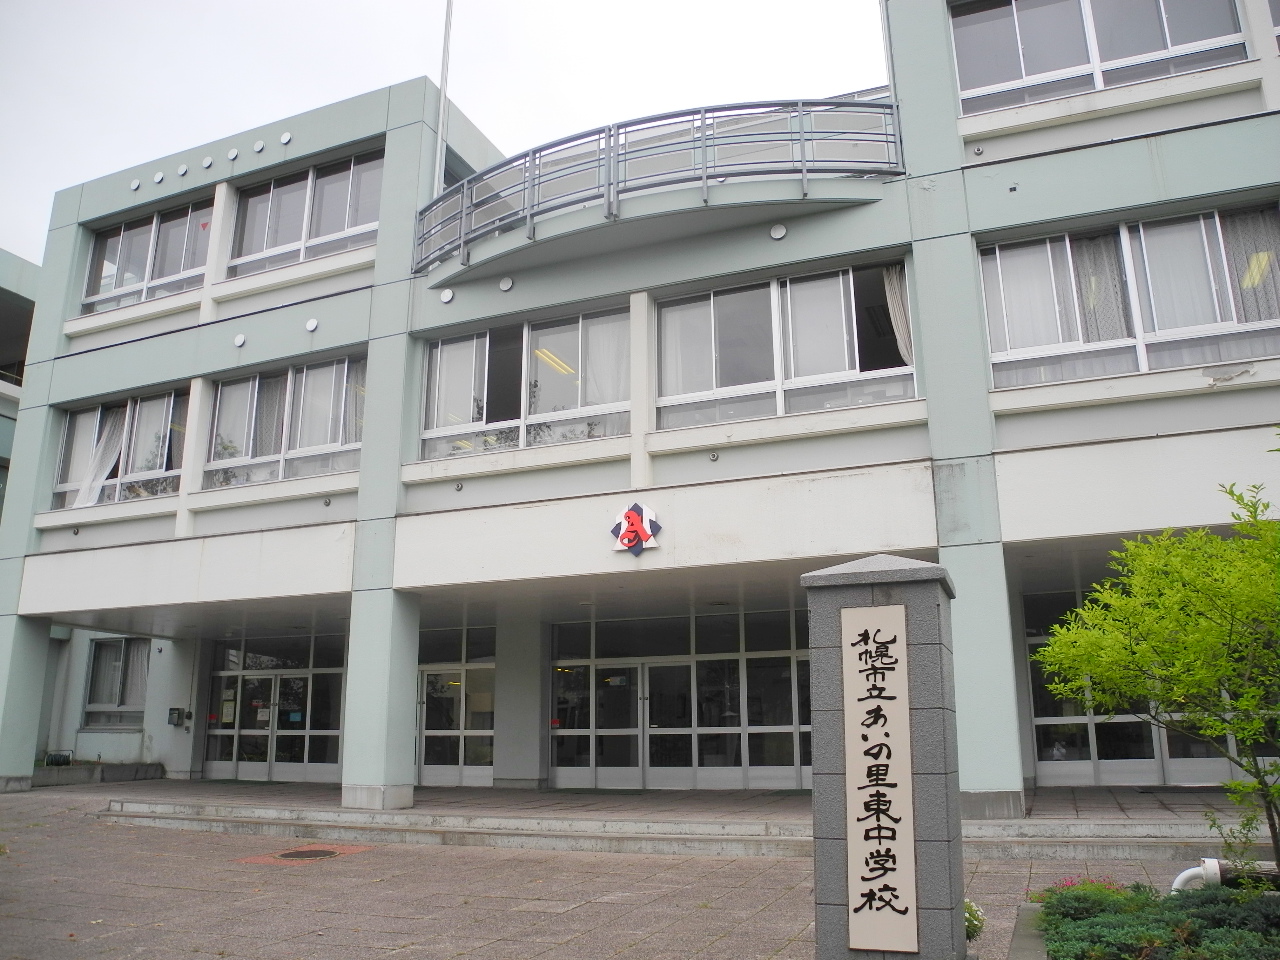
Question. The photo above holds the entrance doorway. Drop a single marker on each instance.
(722, 702)
(455, 707)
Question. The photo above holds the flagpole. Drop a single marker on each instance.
(442, 117)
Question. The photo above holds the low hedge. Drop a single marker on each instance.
(1101, 920)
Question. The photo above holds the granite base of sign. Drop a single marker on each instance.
(886, 792)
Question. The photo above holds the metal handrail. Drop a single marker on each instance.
(785, 138)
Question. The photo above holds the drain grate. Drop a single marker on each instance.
(306, 854)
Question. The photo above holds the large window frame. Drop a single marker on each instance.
(264, 210)
(146, 258)
(784, 387)
(543, 413)
(266, 414)
(1097, 71)
(117, 683)
(1155, 335)
(106, 457)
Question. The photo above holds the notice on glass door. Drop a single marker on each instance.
(877, 743)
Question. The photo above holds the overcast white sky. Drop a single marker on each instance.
(88, 87)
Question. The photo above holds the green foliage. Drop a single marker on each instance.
(974, 920)
(1190, 625)
(1096, 921)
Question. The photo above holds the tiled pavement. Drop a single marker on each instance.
(74, 887)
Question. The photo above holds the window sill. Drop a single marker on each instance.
(1136, 386)
(337, 263)
(273, 490)
(10, 391)
(1244, 75)
(789, 426)
(133, 313)
(525, 458)
(107, 513)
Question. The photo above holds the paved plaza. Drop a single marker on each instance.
(73, 886)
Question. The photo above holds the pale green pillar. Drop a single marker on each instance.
(24, 653)
(521, 713)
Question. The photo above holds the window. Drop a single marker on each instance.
(528, 385)
(117, 683)
(300, 422)
(844, 340)
(323, 210)
(1010, 52)
(151, 257)
(1204, 289)
(122, 451)
(456, 694)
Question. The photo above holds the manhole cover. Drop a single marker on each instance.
(306, 854)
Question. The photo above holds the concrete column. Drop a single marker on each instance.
(521, 711)
(925, 591)
(1260, 34)
(24, 652)
(379, 709)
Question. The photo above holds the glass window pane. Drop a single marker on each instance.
(251, 221)
(457, 383)
(572, 641)
(1052, 34)
(316, 400)
(873, 325)
(135, 242)
(441, 700)
(353, 406)
(986, 42)
(1068, 330)
(78, 449)
(718, 686)
(819, 325)
(606, 359)
(322, 749)
(771, 749)
(1252, 242)
(1063, 741)
(198, 225)
(1044, 703)
(479, 699)
(255, 703)
(1181, 289)
(572, 751)
(744, 337)
(994, 303)
(670, 750)
(440, 646)
(477, 751)
(803, 710)
(231, 425)
(554, 371)
(440, 751)
(177, 431)
(482, 644)
(329, 204)
(1124, 741)
(717, 634)
(572, 697)
(685, 348)
(502, 386)
(104, 262)
(719, 749)
(616, 698)
(1184, 746)
(768, 631)
(1100, 287)
(326, 701)
(277, 653)
(661, 637)
(268, 417)
(220, 748)
(1029, 299)
(367, 190)
(1126, 28)
(288, 202)
(171, 242)
(617, 751)
(108, 661)
(1192, 20)
(150, 435)
(769, 691)
(222, 702)
(329, 651)
(669, 696)
(252, 749)
(802, 629)
(1275, 13)
(291, 704)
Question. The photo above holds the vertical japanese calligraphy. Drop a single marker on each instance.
(877, 743)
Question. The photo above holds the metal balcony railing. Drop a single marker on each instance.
(801, 139)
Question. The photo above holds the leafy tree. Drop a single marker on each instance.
(1190, 626)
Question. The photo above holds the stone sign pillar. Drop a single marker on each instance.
(886, 792)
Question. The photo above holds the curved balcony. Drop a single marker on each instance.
(792, 139)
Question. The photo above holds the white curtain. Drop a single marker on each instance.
(1100, 287)
(1181, 288)
(106, 452)
(606, 361)
(895, 291)
(137, 655)
(353, 412)
(1253, 257)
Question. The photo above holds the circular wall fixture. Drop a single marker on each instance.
(207, 162)
(159, 177)
(457, 486)
(258, 145)
(505, 284)
(182, 170)
(446, 295)
(328, 502)
(232, 153)
(977, 151)
(778, 231)
(286, 137)
(714, 457)
(312, 324)
(238, 340)
(135, 184)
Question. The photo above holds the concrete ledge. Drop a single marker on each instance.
(1027, 943)
(95, 773)
(15, 784)
(992, 804)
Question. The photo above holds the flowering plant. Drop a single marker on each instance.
(974, 920)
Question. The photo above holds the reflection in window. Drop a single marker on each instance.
(155, 256)
(1063, 741)
(1119, 740)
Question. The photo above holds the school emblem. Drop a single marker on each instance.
(636, 529)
